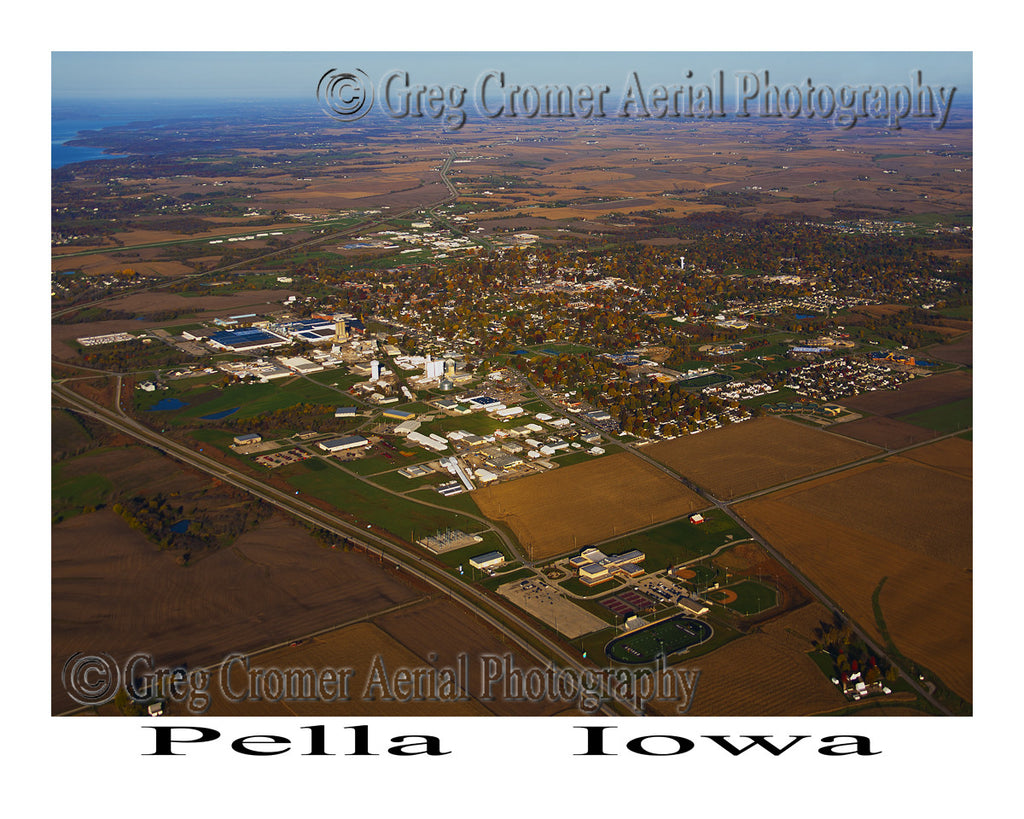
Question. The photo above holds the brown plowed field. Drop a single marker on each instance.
(372, 655)
(567, 508)
(796, 628)
(960, 351)
(113, 591)
(884, 432)
(919, 394)
(889, 711)
(760, 675)
(900, 520)
(413, 640)
(440, 628)
(953, 454)
(743, 458)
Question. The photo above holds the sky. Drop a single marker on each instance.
(155, 75)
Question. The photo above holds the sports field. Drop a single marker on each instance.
(678, 633)
(746, 597)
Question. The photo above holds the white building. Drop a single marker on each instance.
(487, 561)
(346, 442)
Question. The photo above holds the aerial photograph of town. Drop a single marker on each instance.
(404, 393)
(468, 384)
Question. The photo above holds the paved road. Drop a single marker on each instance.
(725, 507)
(530, 640)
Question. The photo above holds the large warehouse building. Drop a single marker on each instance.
(248, 338)
(341, 444)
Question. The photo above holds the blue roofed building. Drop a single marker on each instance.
(247, 338)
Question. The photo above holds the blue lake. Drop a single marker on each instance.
(168, 404)
(181, 527)
(218, 415)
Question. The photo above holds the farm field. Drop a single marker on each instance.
(364, 648)
(919, 394)
(884, 432)
(570, 507)
(741, 458)
(951, 417)
(114, 591)
(759, 675)
(900, 521)
(959, 351)
(440, 628)
(953, 454)
(428, 636)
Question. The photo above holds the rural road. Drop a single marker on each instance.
(725, 507)
(532, 641)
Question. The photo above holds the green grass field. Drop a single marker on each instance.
(478, 423)
(72, 496)
(399, 483)
(705, 381)
(949, 417)
(204, 398)
(679, 541)
(405, 518)
(751, 597)
(704, 576)
(463, 502)
(784, 395)
(668, 637)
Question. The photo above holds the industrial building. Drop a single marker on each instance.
(302, 366)
(248, 438)
(484, 402)
(415, 471)
(433, 369)
(455, 468)
(509, 412)
(341, 444)
(449, 488)
(434, 442)
(247, 338)
(490, 560)
(318, 329)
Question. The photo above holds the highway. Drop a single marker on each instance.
(529, 639)
(519, 630)
(331, 236)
